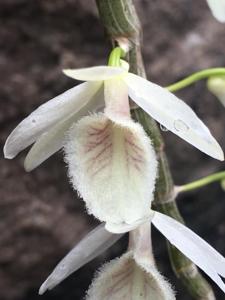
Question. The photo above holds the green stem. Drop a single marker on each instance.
(201, 182)
(195, 77)
(121, 21)
(114, 57)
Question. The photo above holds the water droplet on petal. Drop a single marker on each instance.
(163, 128)
(180, 125)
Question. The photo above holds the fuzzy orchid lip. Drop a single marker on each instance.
(126, 277)
(112, 166)
(111, 161)
(132, 275)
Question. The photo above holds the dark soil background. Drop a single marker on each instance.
(40, 216)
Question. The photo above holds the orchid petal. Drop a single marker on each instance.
(172, 113)
(195, 248)
(47, 115)
(99, 151)
(124, 278)
(99, 73)
(96, 242)
(218, 9)
(54, 139)
(48, 143)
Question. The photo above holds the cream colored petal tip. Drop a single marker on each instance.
(173, 114)
(96, 242)
(98, 73)
(218, 9)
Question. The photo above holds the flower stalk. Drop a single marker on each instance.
(220, 176)
(114, 57)
(200, 75)
(121, 22)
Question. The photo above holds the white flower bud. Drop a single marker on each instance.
(218, 9)
(216, 85)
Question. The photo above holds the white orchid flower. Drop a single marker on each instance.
(218, 9)
(112, 163)
(189, 243)
(216, 85)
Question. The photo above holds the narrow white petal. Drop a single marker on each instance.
(213, 256)
(94, 73)
(47, 115)
(96, 242)
(124, 279)
(48, 143)
(113, 168)
(218, 9)
(172, 113)
(54, 139)
(195, 248)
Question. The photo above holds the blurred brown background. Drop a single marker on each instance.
(40, 217)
